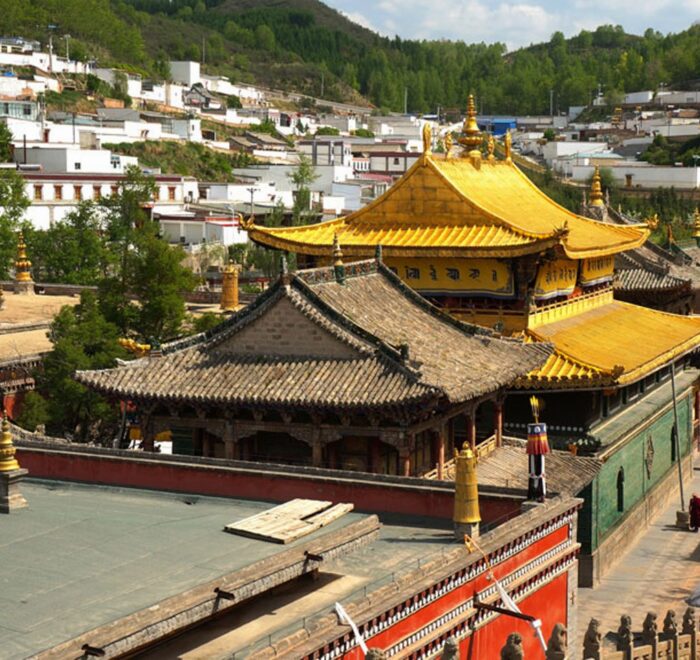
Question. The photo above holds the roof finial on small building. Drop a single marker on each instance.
(596, 189)
(338, 266)
(427, 139)
(508, 146)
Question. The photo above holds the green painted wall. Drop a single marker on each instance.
(604, 515)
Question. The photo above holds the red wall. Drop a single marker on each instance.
(232, 482)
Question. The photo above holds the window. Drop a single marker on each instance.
(26, 110)
(396, 161)
(78, 193)
(96, 192)
(621, 490)
(38, 192)
(171, 193)
(58, 192)
(77, 166)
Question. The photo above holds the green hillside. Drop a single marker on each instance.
(305, 46)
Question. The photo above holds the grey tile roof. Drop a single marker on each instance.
(399, 350)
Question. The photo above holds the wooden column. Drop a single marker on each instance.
(405, 462)
(207, 444)
(316, 453)
(230, 444)
(471, 429)
(148, 434)
(441, 433)
(498, 421)
(375, 455)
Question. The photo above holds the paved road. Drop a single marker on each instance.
(660, 572)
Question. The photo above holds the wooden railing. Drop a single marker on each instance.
(483, 449)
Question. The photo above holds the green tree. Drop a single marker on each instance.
(72, 251)
(35, 411)
(265, 38)
(13, 204)
(302, 177)
(82, 339)
(6, 150)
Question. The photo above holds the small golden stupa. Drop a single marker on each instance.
(10, 472)
(24, 285)
(471, 135)
(596, 189)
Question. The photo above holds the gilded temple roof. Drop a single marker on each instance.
(310, 341)
(452, 206)
(616, 343)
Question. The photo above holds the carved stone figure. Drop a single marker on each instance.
(689, 621)
(670, 625)
(624, 633)
(451, 650)
(513, 650)
(591, 641)
(557, 644)
(649, 628)
(375, 654)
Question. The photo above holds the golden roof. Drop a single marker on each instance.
(450, 207)
(614, 344)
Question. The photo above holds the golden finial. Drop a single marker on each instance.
(8, 462)
(535, 405)
(491, 147)
(471, 138)
(22, 264)
(229, 287)
(338, 266)
(653, 222)
(131, 345)
(427, 138)
(247, 224)
(449, 143)
(508, 145)
(596, 189)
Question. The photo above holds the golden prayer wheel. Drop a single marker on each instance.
(229, 288)
(466, 488)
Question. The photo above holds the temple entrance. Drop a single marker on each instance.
(361, 454)
(267, 447)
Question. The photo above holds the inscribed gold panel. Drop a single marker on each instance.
(474, 277)
(597, 270)
(556, 278)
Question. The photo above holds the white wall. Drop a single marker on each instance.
(185, 72)
(646, 176)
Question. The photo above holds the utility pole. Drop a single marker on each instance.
(405, 100)
(67, 37)
(252, 207)
(323, 81)
(204, 50)
(551, 102)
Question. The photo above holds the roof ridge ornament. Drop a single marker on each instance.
(338, 266)
(508, 146)
(490, 148)
(449, 144)
(471, 135)
(427, 139)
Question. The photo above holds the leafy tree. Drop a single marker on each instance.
(35, 411)
(265, 38)
(6, 150)
(71, 251)
(13, 204)
(549, 135)
(363, 133)
(327, 130)
(82, 339)
(302, 177)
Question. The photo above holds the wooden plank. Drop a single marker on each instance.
(289, 521)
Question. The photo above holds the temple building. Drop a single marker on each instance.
(342, 367)
(475, 237)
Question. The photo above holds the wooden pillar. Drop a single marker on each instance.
(316, 453)
(207, 444)
(471, 429)
(498, 421)
(148, 434)
(197, 445)
(375, 456)
(441, 433)
(230, 443)
(405, 461)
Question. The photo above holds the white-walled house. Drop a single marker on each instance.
(74, 159)
(638, 174)
(54, 195)
(185, 72)
(188, 228)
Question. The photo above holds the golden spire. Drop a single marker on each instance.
(229, 288)
(8, 462)
(22, 264)
(596, 189)
(471, 138)
(427, 139)
(466, 510)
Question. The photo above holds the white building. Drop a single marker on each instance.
(188, 228)
(74, 159)
(110, 76)
(638, 174)
(187, 73)
(53, 196)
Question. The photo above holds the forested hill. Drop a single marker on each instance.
(305, 46)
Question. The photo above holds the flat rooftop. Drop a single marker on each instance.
(82, 556)
(17, 309)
